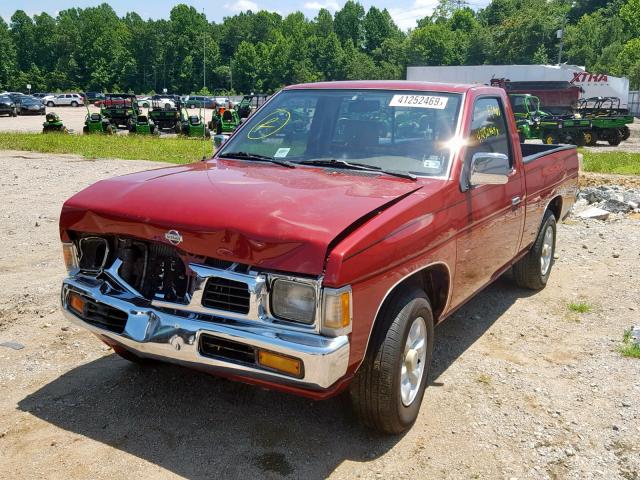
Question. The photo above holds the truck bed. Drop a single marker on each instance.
(533, 151)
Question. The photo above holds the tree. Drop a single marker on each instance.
(378, 26)
(8, 63)
(348, 23)
(433, 44)
(245, 68)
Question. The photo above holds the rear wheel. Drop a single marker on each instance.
(387, 390)
(550, 139)
(50, 104)
(589, 138)
(533, 270)
(74, 104)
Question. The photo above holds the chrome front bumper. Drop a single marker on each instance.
(174, 336)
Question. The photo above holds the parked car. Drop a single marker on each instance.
(199, 101)
(42, 95)
(319, 247)
(17, 98)
(31, 106)
(65, 99)
(8, 106)
(92, 97)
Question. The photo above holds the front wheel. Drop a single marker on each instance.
(533, 270)
(387, 390)
(50, 104)
(74, 104)
(14, 113)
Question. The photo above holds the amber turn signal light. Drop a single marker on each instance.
(281, 363)
(76, 302)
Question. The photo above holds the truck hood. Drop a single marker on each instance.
(258, 214)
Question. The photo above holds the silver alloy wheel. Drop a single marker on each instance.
(546, 254)
(413, 361)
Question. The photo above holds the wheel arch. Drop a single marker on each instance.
(434, 279)
(555, 205)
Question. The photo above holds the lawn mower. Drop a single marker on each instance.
(121, 109)
(608, 120)
(53, 124)
(193, 126)
(96, 123)
(166, 112)
(224, 120)
(144, 126)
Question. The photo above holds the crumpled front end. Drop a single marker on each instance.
(157, 302)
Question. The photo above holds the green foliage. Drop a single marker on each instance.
(628, 348)
(127, 147)
(623, 163)
(580, 307)
(95, 49)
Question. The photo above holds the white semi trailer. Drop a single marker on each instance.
(592, 84)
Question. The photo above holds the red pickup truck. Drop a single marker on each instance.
(318, 248)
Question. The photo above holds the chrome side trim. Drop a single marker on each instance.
(175, 338)
(392, 288)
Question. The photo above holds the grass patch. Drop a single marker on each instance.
(580, 307)
(623, 163)
(127, 147)
(628, 347)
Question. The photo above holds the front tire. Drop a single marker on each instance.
(50, 104)
(533, 270)
(387, 390)
(74, 104)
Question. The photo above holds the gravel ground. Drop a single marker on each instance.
(73, 119)
(522, 387)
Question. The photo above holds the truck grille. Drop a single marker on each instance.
(104, 316)
(227, 295)
(215, 347)
(153, 269)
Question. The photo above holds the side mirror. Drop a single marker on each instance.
(489, 169)
(219, 140)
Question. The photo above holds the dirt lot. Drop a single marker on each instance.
(522, 387)
(73, 119)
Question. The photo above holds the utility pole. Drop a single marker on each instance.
(560, 35)
(204, 54)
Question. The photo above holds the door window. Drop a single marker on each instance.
(489, 133)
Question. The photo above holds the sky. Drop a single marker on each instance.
(404, 12)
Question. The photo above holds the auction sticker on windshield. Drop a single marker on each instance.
(419, 101)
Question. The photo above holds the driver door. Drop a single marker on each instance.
(494, 214)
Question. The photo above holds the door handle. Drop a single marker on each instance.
(515, 201)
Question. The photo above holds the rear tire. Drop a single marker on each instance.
(589, 138)
(386, 392)
(549, 139)
(533, 270)
(74, 104)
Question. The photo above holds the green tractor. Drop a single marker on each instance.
(166, 112)
(53, 124)
(224, 120)
(608, 121)
(533, 123)
(121, 109)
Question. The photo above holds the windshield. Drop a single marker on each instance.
(392, 130)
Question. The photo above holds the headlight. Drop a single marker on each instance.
(70, 256)
(337, 311)
(293, 301)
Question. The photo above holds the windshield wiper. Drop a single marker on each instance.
(358, 166)
(258, 157)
